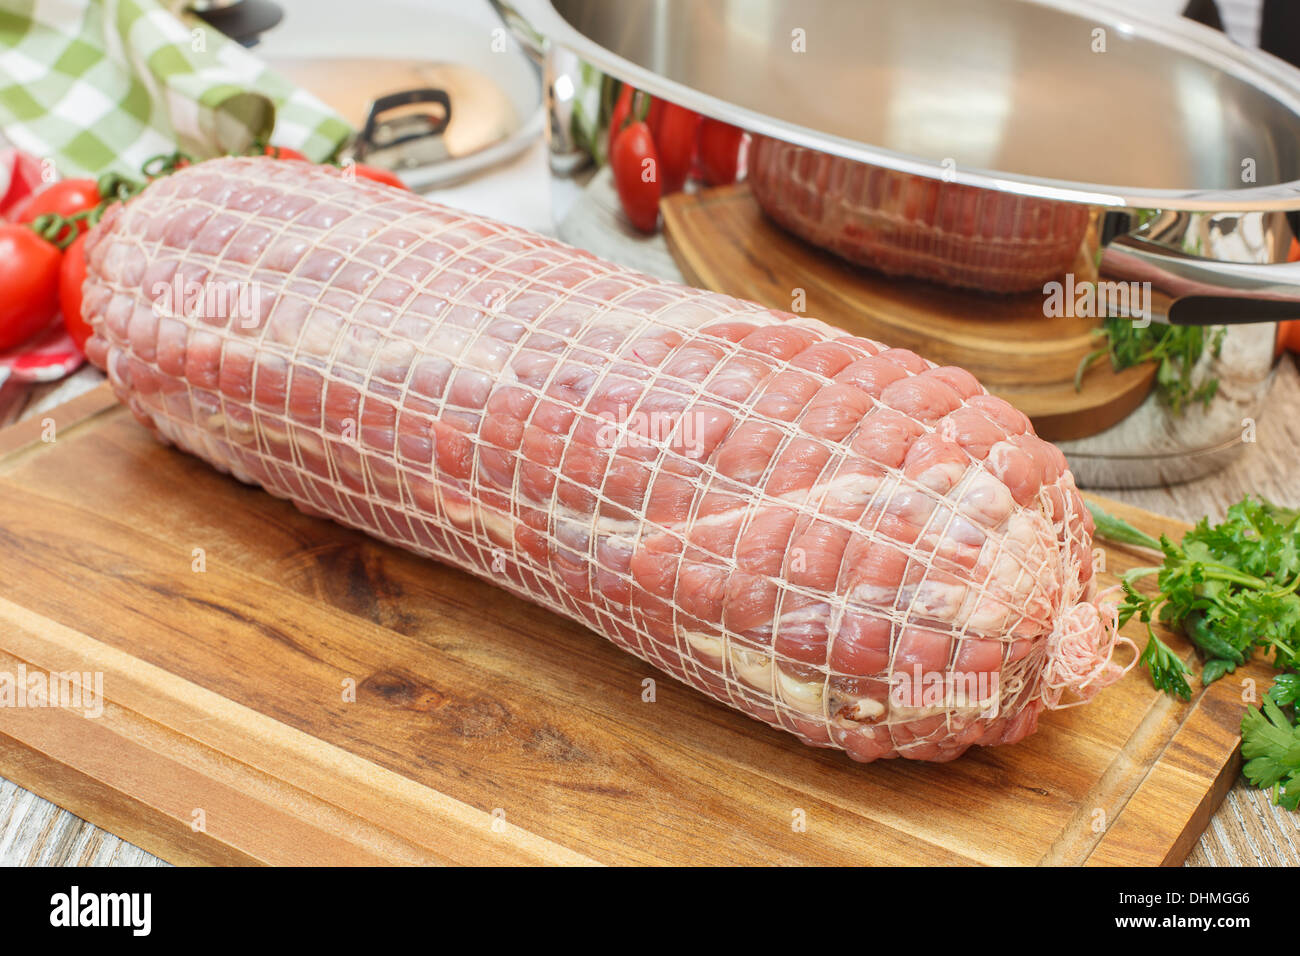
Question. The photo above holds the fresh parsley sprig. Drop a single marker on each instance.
(1176, 348)
(1270, 744)
(1231, 588)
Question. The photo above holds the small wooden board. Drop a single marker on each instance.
(483, 730)
(722, 241)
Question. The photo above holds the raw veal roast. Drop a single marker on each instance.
(915, 226)
(835, 537)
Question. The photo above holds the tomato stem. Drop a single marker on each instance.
(59, 231)
(165, 163)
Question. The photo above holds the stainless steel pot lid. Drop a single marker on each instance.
(1049, 97)
(351, 57)
(476, 122)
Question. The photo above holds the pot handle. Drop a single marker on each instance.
(1189, 290)
(379, 133)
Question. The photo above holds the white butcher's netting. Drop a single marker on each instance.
(837, 538)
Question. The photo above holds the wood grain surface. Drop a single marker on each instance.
(482, 729)
(722, 241)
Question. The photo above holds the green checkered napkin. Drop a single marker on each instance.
(103, 85)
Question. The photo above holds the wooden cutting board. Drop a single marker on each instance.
(312, 696)
(722, 241)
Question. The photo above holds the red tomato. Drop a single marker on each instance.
(29, 284)
(71, 277)
(618, 119)
(1288, 333)
(719, 145)
(66, 198)
(1288, 336)
(675, 142)
(636, 175)
(284, 152)
(653, 117)
(375, 174)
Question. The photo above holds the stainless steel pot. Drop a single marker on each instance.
(1189, 144)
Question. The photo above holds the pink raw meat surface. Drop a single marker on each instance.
(795, 521)
(914, 226)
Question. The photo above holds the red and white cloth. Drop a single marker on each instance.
(46, 358)
(51, 355)
(20, 179)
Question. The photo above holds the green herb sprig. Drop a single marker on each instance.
(1270, 744)
(1231, 588)
(1177, 349)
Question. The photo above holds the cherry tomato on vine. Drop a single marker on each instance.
(284, 152)
(29, 284)
(719, 145)
(619, 118)
(375, 174)
(654, 116)
(675, 143)
(65, 198)
(636, 175)
(72, 276)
